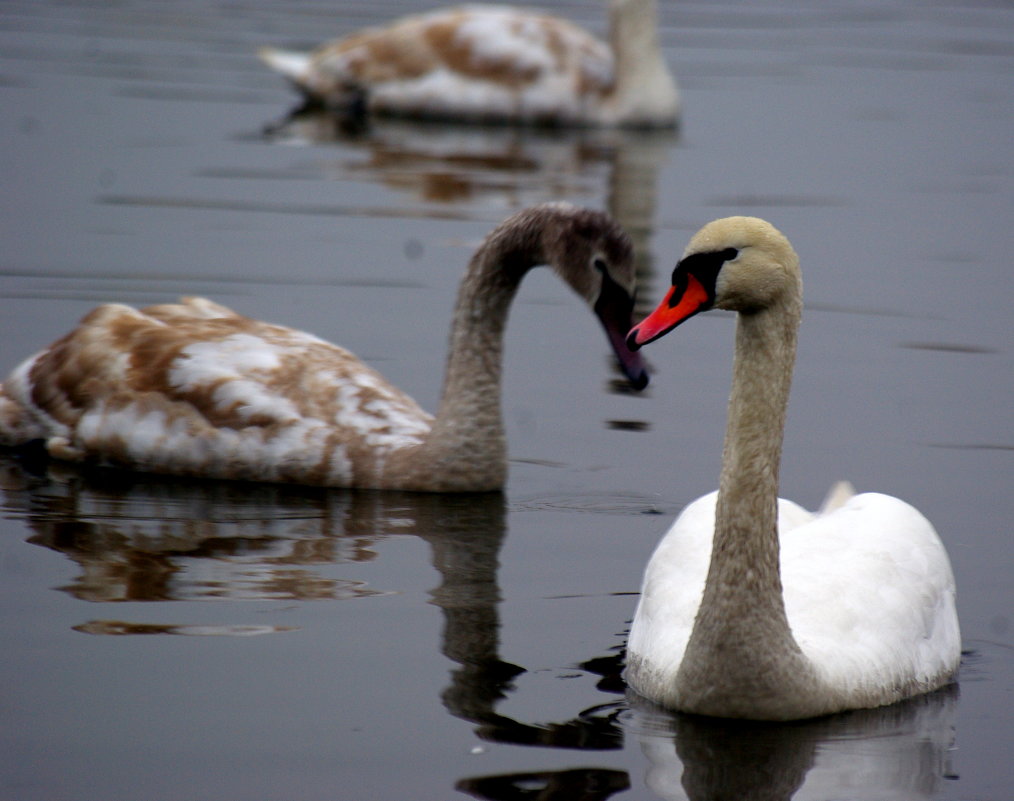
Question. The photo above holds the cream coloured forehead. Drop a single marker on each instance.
(730, 232)
(739, 233)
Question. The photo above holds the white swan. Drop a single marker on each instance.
(752, 607)
(196, 389)
(495, 63)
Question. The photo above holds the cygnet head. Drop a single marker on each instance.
(595, 257)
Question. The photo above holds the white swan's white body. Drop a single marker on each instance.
(792, 614)
(868, 593)
(495, 63)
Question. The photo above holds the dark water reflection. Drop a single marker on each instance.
(902, 751)
(499, 166)
(446, 163)
(148, 539)
(138, 538)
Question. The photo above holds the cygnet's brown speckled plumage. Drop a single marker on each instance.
(196, 389)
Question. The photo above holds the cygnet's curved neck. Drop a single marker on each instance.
(741, 648)
(467, 441)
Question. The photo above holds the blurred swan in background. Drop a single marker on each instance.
(495, 64)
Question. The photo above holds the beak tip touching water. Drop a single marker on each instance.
(639, 381)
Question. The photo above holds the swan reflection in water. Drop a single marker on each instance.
(900, 751)
(139, 537)
(144, 538)
(500, 166)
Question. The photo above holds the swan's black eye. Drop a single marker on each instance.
(600, 265)
(704, 266)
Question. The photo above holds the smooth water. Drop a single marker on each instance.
(171, 639)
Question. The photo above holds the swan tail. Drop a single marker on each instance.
(837, 496)
(19, 422)
(13, 423)
(294, 66)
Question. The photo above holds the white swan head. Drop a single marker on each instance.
(741, 264)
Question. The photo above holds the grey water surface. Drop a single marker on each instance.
(167, 639)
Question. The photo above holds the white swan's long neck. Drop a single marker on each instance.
(746, 532)
(741, 643)
(467, 441)
(644, 85)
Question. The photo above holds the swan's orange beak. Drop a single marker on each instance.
(675, 307)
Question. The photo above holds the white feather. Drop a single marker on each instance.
(294, 66)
